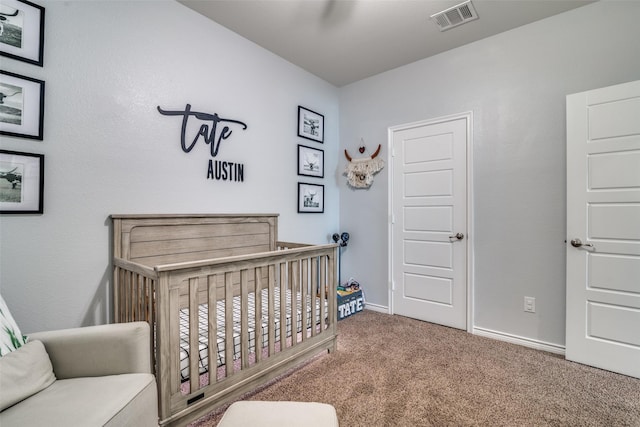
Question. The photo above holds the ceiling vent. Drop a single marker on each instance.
(456, 15)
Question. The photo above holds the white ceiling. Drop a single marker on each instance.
(343, 41)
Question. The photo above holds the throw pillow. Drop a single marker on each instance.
(10, 336)
(24, 372)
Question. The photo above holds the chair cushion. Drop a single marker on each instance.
(10, 336)
(116, 400)
(279, 414)
(24, 372)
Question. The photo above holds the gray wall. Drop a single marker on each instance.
(108, 65)
(515, 84)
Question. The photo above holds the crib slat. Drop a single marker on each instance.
(228, 323)
(283, 306)
(293, 278)
(139, 297)
(143, 299)
(123, 296)
(323, 290)
(257, 321)
(135, 289)
(117, 294)
(150, 316)
(304, 285)
(140, 305)
(315, 293)
(194, 348)
(129, 299)
(244, 318)
(212, 320)
(173, 337)
(148, 294)
(132, 296)
(271, 322)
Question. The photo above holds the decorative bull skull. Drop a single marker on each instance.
(360, 171)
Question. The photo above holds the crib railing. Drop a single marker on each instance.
(262, 340)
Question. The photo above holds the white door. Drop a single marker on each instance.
(603, 228)
(429, 220)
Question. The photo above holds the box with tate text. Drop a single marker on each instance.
(349, 303)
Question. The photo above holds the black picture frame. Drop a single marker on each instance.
(23, 31)
(21, 182)
(310, 161)
(17, 92)
(310, 125)
(310, 198)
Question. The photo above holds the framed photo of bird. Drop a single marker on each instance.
(21, 106)
(310, 161)
(22, 31)
(21, 182)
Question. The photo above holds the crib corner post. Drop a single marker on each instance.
(163, 346)
(332, 294)
(334, 344)
(115, 279)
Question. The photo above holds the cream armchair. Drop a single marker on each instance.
(101, 377)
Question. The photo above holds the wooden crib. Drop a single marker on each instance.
(224, 279)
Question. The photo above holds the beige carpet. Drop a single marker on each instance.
(395, 371)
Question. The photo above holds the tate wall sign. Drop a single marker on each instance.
(213, 131)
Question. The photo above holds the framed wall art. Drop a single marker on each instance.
(22, 31)
(310, 161)
(21, 182)
(21, 106)
(310, 198)
(310, 124)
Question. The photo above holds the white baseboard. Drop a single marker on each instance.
(496, 335)
(514, 339)
(376, 307)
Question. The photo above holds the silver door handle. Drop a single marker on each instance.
(577, 243)
(458, 236)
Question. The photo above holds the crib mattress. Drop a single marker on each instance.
(203, 341)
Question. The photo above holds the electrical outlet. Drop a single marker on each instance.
(530, 304)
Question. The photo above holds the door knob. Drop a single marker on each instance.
(577, 243)
(458, 236)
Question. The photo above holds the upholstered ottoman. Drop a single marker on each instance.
(279, 414)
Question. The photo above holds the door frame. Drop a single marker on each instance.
(468, 116)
